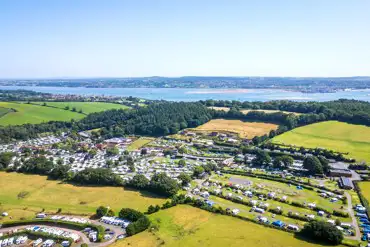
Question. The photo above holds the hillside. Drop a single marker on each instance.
(333, 135)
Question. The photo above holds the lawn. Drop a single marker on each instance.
(142, 141)
(86, 107)
(187, 226)
(52, 195)
(333, 135)
(27, 113)
(243, 129)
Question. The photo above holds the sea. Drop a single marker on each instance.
(195, 94)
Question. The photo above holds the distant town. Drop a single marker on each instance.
(301, 84)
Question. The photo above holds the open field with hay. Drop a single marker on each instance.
(187, 226)
(243, 129)
(332, 135)
(23, 195)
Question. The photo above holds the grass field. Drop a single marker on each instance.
(36, 113)
(86, 107)
(27, 113)
(187, 226)
(365, 188)
(333, 135)
(139, 143)
(243, 129)
(51, 195)
(245, 111)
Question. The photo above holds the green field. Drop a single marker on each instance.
(37, 113)
(86, 107)
(27, 113)
(139, 143)
(365, 188)
(187, 226)
(52, 195)
(333, 135)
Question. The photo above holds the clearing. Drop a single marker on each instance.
(332, 135)
(243, 129)
(188, 226)
(86, 107)
(27, 113)
(24, 195)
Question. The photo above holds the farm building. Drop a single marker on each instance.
(340, 173)
(345, 183)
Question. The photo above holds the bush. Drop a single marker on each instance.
(340, 214)
(130, 214)
(323, 231)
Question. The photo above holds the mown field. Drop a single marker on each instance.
(245, 111)
(243, 129)
(333, 135)
(22, 195)
(37, 113)
(187, 226)
(86, 107)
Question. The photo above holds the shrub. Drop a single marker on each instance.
(326, 232)
(130, 214)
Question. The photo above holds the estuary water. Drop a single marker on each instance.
(195, 94)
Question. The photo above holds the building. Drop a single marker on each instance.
(345, 183)
(340, 173)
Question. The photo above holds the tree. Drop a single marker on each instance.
(185, 178)
(324, 231)
(182, 163)
(112, 151)
(60, 172)
(5, 159)
(283, 161)
(144, 151)
(324, 163)
(164, 185)
(262, 159)
(130, 214)
(60, 161)
(98, 176)
(313, 165)
(101, 211)
(109, 163)
(198, 170)
(139, 181)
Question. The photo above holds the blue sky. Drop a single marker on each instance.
(87, 38)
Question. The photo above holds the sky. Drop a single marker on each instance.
(109, 38)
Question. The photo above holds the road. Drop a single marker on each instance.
(353, 217)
